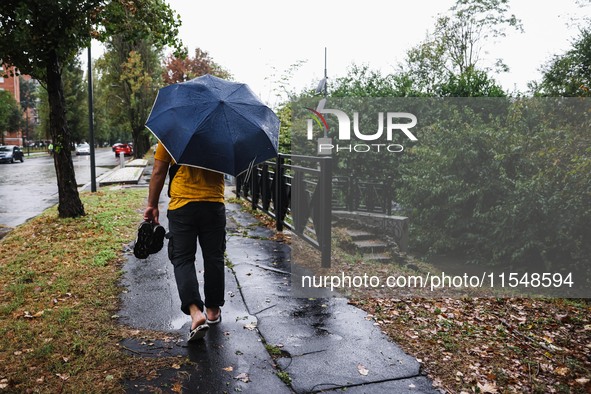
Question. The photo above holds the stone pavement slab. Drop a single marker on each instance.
(137, 163)
(126, 175)
(405, 386)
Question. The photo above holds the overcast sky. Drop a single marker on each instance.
(258, 38)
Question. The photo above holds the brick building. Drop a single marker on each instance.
(11, 84)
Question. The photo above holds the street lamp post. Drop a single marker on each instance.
(26, 137)
(322, 88)
(91, 123)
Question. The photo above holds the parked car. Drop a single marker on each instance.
(115, 145)
(83, 149)
(125, 148)
(11, 153)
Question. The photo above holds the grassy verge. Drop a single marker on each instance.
(59, 294)
(475, 345)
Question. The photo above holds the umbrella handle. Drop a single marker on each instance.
(250, 167)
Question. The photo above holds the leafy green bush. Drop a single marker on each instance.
(505, 187)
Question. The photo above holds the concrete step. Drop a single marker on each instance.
(377, 257)
(370, 246)
(360, 235)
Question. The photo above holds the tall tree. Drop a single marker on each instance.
(75, 94)
(451, 56)
(28, 89)
(568, 74)
(470, 26)
(10, 116)
(470, 83)
(361, 81)
(109, 124)
(42, 132)
(39, 37)
(131, 68)
(183, 68)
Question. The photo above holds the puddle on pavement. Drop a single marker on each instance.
(179, 322)
(153, 348)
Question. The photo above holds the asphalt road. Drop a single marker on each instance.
(28, 188)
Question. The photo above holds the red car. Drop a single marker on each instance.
(125, 148)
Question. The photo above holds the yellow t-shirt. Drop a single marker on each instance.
(192, 183)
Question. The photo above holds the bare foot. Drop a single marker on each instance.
(197, 316)
(213, 314)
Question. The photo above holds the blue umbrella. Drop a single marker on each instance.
(215, 124)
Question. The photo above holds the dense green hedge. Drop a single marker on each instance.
(510, 186)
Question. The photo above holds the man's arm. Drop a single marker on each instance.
(159, 172)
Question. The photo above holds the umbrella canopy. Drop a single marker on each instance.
(215, 124)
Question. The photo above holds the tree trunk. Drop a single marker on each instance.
(141, 143)
(69, 205)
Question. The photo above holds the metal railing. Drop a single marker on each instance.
(296, 191)
(300, 193)
(353, 195)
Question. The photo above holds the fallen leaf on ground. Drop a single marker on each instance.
(562, 371)
(362, 370)
(228, 369)
(489, 388)
(29, 316)
(243, 377)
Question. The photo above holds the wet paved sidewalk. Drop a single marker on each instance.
(319, 345)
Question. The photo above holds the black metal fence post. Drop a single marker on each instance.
(389, 195)
(349, 195)
(265, 192)
(279, 185)
(254, 187)
(238, 189)
(325, 206)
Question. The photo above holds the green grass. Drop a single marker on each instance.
(273, 350)
(284, 376)
(59, 287)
